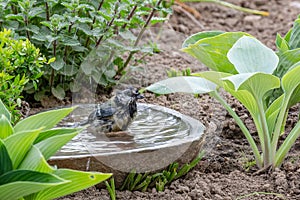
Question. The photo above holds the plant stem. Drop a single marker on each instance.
(139, 37)
(108, 25)
(277, 130)
(130, 15)
(287, 145)
(267, 140)
(242, 126)
(47, 11)
(229, 5)
(53, 71)
(94, 21)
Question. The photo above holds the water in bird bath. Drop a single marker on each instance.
(152, 128)
(157, 137)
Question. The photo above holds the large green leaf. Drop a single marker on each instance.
(185, 84)
(53, 132)
(6, 128)
(212, 51)
(249, 55)
(78, 181)
(35, 161)
(45, 120)
(290, 85)
(213, 76)
(255, 83)
(281, 43)
(51, 145)
(199, 36)
(5, 161)
(19, 183)
(295, 35)
(19, 144)
(287, 60)
(4, 111)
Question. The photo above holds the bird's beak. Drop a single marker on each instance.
(140, 96)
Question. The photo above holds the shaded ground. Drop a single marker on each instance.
(224, 172)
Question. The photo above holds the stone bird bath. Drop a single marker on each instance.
(157, 137)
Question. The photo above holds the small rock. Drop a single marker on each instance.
(295, 4)
(252, 19)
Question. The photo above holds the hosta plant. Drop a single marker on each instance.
(24, 150)
(244, 67)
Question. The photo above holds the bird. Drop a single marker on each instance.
(116, 114)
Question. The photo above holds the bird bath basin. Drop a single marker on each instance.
(157, 137)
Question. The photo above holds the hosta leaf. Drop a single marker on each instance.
(53, 132)
(249, 55)
(19, 183)
(256, 83)
(35, 161)
(294, 41)
(281, 43)
(287, 59)
(4, 111)
(45, 120)
(50, 145)
(5, 161)
(213, 76)
(212, 51)
(186, 84)
(19, 144)
(6, 127)
(198, 36)
(78, 181)
(290, 85)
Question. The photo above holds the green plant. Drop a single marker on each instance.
(138, 181)
(24, 149)
(244, 67)
(72, 30)
(21, 67)
(110, 186)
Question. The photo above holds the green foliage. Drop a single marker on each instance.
(24, 149)
(288, 50)
(245, 68)
(20, 70)
(110, 186)
(135, 181)
(174, 73)
(71, 30)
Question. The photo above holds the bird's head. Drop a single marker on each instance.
(132, 93)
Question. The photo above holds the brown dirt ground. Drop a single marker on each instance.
(223, 173)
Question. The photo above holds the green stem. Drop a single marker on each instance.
(139, 37)
(265, 131)
(229, 5)
(278, 126)
(242, 127)
(287, 145)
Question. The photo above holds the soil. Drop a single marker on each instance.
(226, 171)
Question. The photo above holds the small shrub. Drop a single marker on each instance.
(20, 69)
(24, 149)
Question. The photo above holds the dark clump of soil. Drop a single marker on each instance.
(227, 170)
